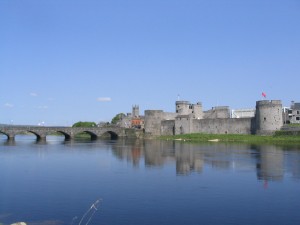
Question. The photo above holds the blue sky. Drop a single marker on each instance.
(63, 61)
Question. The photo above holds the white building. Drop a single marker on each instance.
(242, 113)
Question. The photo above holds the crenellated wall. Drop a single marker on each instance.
(217, 112)
(189, 118)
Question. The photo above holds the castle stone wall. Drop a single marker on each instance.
(169, 116)
(189, 118)
(168, 127)
(224, 126)
(217, 112)
(183, 124)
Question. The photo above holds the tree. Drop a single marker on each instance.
(84, 124)
(117, 118)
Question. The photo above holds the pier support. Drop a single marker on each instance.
(41, 138)
(11, 137)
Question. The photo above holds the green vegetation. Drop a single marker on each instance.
(278, 138)
(287, 133)
(293, 125)
(83, 135)
(117, 118)
(84, 124)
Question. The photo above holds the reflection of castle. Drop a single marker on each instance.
(133, 153)
(188, 161)
(270, 163)
(188, 157)
(294, 163)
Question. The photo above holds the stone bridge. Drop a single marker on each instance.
(41, 132)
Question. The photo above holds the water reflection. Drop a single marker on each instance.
(180, 183)
(292, 163)
(270, 162)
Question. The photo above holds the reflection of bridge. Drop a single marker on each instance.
(69, 132)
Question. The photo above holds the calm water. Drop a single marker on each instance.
(147, 182)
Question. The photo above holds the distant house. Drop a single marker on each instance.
(133, 120)
(292, 114)
(137, 122)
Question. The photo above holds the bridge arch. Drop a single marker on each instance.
(5, 134)
(67, 135)
(110, 134)
(38, 136)
(42, 132)
(92, 134)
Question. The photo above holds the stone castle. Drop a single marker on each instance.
(265, 119)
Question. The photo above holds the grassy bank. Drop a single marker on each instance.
(278, 138)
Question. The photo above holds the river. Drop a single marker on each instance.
(139, 182)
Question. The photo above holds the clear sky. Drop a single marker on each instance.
(63, 61)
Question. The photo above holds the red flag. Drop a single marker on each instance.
(264, 94)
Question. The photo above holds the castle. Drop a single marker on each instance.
(265, 119)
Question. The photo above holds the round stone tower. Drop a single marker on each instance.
(197, 111)
(153, 120)
(268, 116)
(182, 107)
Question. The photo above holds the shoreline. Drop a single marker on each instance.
(236, 138)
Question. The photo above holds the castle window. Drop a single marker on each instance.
(298, 112)
(297, 118)
(176, 111)
(265, 118)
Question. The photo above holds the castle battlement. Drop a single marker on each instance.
(190, 118)
(268, 102)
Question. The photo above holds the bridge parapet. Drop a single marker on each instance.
(69, 132)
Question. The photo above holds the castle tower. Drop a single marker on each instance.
(182, 107)
(268, 116)
(153, 120)
(135, 111)
(197, 111)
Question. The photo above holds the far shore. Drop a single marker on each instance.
(277, 138)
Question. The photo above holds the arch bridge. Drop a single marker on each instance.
(42, 132)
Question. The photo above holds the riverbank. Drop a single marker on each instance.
(278, 138)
